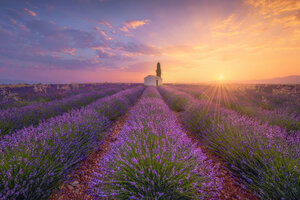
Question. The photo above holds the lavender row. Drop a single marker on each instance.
(265, 157)
(182, 101)
(35, 160)
(21, 95)
(154, 159)
(260, 105)
(16, 118)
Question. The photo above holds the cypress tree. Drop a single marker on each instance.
(158, 70)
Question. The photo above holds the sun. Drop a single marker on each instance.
(221, 77)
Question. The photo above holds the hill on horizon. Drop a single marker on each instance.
(293, 79)
(6, 82)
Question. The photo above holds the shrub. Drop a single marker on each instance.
(271, 171)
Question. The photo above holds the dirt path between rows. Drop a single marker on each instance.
(231, 188)
(77, 186)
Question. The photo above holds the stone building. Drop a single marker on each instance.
(152, 80)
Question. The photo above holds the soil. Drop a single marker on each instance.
(232, 188)
(76, 188)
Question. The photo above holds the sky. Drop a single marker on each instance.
(64, 41)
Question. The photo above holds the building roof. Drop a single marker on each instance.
(152, 76)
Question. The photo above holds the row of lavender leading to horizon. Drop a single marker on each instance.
(264, 156)
(18, 117)
(154, 159)
(273, 104)
(24, 94)
(35, 160)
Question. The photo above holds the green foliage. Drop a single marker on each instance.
(140, 168)
(197, 120)
(176, 102)
(158, 70)
(291, 125)
(272, 173)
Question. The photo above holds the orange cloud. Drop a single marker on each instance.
(275, 7)
(268, 24)
(29, 12)
(133, 24)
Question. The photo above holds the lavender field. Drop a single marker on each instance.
(150, 100)
(171, 142)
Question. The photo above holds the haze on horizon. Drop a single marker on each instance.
(122, 40)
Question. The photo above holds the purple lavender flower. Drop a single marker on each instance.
(166, 156)
(35, 159)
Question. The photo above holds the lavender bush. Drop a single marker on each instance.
(177, 101)
(266, 158)
(35, 160)
(154, 159)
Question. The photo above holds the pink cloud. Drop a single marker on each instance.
(104, 54)
(105, 23)
(29, 12)
(20, 26)
(106, 37)
(70, 51)
(133, 24)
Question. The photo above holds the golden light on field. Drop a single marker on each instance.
(221, 77)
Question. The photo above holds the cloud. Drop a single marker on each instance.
(29, 12)
(260, 23)
(81, 39)
(69, 51)
(112, 57)
(298, 14)
(125, 27)
(52, 37)
(47, 45)
(105, 23)
(136, 48)
(103, 34)
(20, 26)
(277, 12)
(275, 7)
(100, 22)
(103, 54)
(133, 24)
(37, 60)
